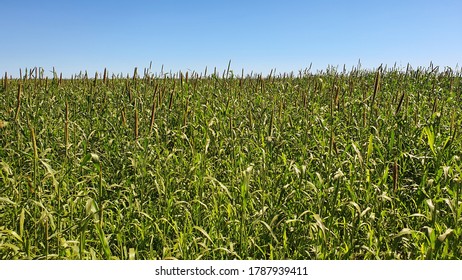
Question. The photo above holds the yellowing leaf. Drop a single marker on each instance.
(358, 153)
(404, 231)
(443, 236)
(201, 230)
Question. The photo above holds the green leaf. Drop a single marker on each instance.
(428, 131)
(85, 159)
(270, 230)
(50, 172)
(370, 147)
(131, 254)
(13, 234)
(21, 223)
(104, 241)
(9, 246)
(201, 230)
(6, 200)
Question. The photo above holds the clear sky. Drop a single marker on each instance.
(255, 35)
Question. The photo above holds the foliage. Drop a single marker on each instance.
(332, 165)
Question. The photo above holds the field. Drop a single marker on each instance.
(358, 164)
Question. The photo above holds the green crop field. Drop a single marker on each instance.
(358, 164)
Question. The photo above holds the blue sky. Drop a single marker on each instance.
(255, 35)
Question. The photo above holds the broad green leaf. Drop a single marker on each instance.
(430, 138)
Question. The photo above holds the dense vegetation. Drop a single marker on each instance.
(334, 165)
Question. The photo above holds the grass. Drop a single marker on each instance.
(360, 164)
